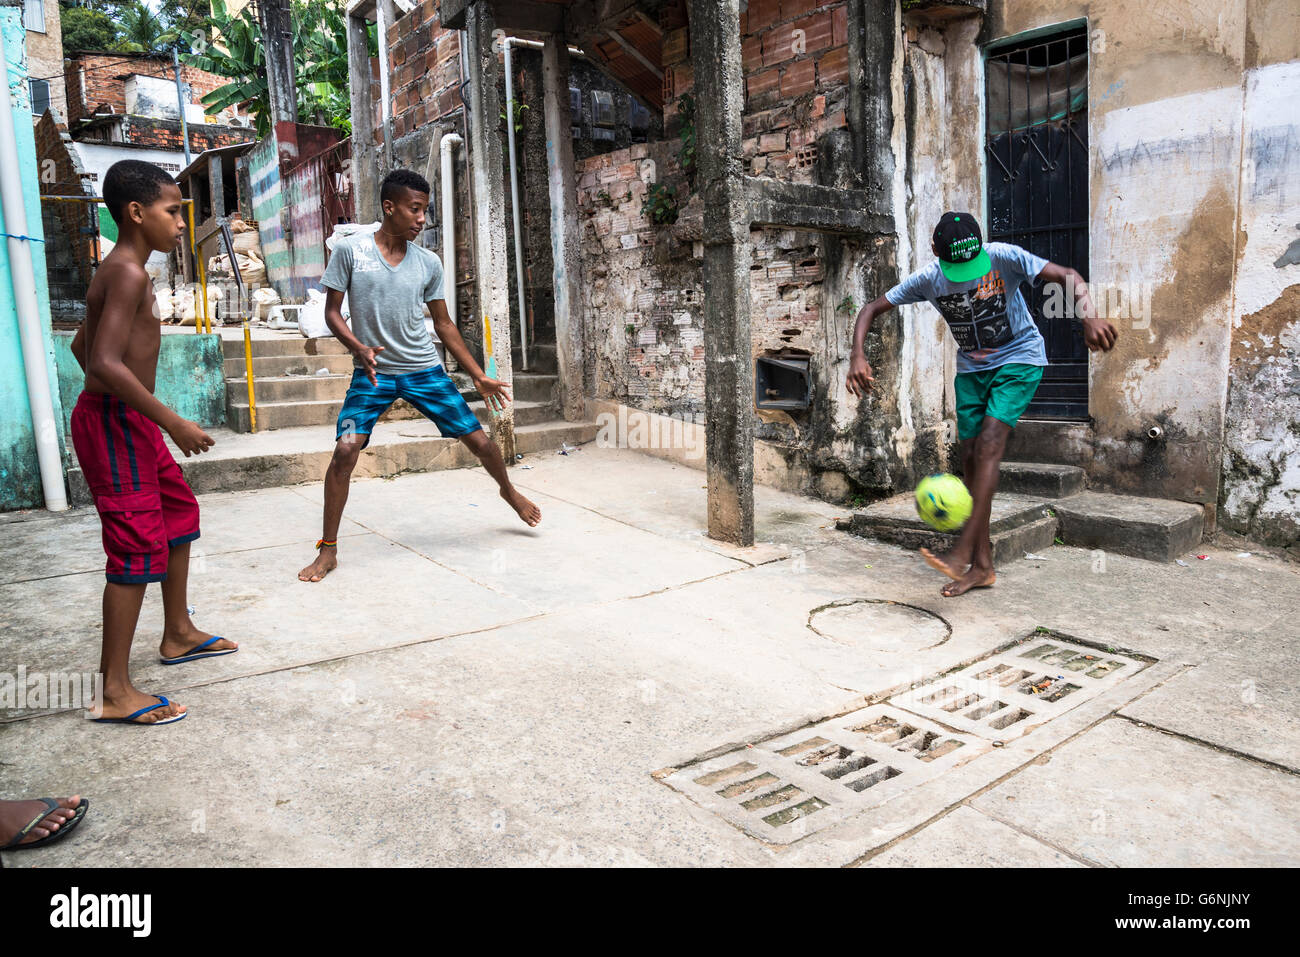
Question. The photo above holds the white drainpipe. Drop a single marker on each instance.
(448, 182)
(23, 276)
(506, 44)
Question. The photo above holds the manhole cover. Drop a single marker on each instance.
(786, 787)
(879, 625)
(1009, 694)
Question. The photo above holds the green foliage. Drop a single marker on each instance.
(686, 112)
(87, 29)
(519, 115)
(847, 305)
(143, 31)
(660, 205)
(320, 63)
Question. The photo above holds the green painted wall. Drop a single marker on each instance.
(189, 380)
(20, 477)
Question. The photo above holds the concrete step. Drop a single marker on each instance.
(325, 412)
(283, 345)
(541, 358)
(298, 388)
(269, 366)
(1041, 479)
(1017, 524)
(293, 456)
(312, 388)
(1153, 528)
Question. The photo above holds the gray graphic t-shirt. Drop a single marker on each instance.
(386, 301)
(988, 316)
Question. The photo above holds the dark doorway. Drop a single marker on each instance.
(1036, 150)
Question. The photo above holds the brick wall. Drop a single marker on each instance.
(166, 134)
(424, 61)
(99, 79)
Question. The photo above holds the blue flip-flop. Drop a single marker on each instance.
(130, 718)
(194, 654)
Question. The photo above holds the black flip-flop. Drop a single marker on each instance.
(51, 806)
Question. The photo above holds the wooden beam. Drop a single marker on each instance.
(635, 54)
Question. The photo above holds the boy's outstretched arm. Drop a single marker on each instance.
(860, 375)
(1097, 333)
(495, 393)
(112, 334)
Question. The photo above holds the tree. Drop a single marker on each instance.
(87, 29)
(234, 50)
(143, 31)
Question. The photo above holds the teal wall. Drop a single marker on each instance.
(20, 477)
(190, 379)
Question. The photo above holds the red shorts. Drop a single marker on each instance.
(144, 503)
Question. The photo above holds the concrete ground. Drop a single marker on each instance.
(465, 690)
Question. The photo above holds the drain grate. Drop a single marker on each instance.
(788, 786)
(1009, 694)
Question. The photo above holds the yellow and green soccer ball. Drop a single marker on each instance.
(943, 502)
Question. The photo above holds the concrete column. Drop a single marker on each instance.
(488, 175)
(566, 247)
(728, 350)
(277, 32)
(365, 155)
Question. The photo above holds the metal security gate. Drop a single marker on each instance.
(1037, 157)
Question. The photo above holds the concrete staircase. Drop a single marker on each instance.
(1038, 505)
(300, 386)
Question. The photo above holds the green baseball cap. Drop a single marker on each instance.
(961, 247)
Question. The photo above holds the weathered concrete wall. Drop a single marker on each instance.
(1261, 461)
(644, 293)
(1186, 112)
(190, 379)
(20, 479)
(45, 58)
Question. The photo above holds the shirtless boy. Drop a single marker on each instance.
(387, 277)
(148, 513)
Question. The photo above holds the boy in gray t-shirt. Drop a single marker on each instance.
(387, 279)
(1000, 359)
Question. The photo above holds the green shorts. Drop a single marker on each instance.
(1003, 393)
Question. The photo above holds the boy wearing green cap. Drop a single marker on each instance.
(1000, 359)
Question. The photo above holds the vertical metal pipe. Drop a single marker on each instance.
(23, 276)
(180, 105)
(506, 43)
(448, 182)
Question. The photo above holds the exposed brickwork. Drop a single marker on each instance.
(424, 64)
(96, 80)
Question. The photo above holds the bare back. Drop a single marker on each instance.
(123, 286)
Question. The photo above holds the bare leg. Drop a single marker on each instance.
(121, 698)
(338, 479)
(179, 634)
(989, 448)
(489, 454)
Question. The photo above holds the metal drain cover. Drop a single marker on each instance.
(788, 786)
(1007, 695)
(879, 625)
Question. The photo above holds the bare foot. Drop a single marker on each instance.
(16, 815)
(325, 562)
(946, 563)
(529, 512)
(179, 644)
(975, 578)
(131, 700)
